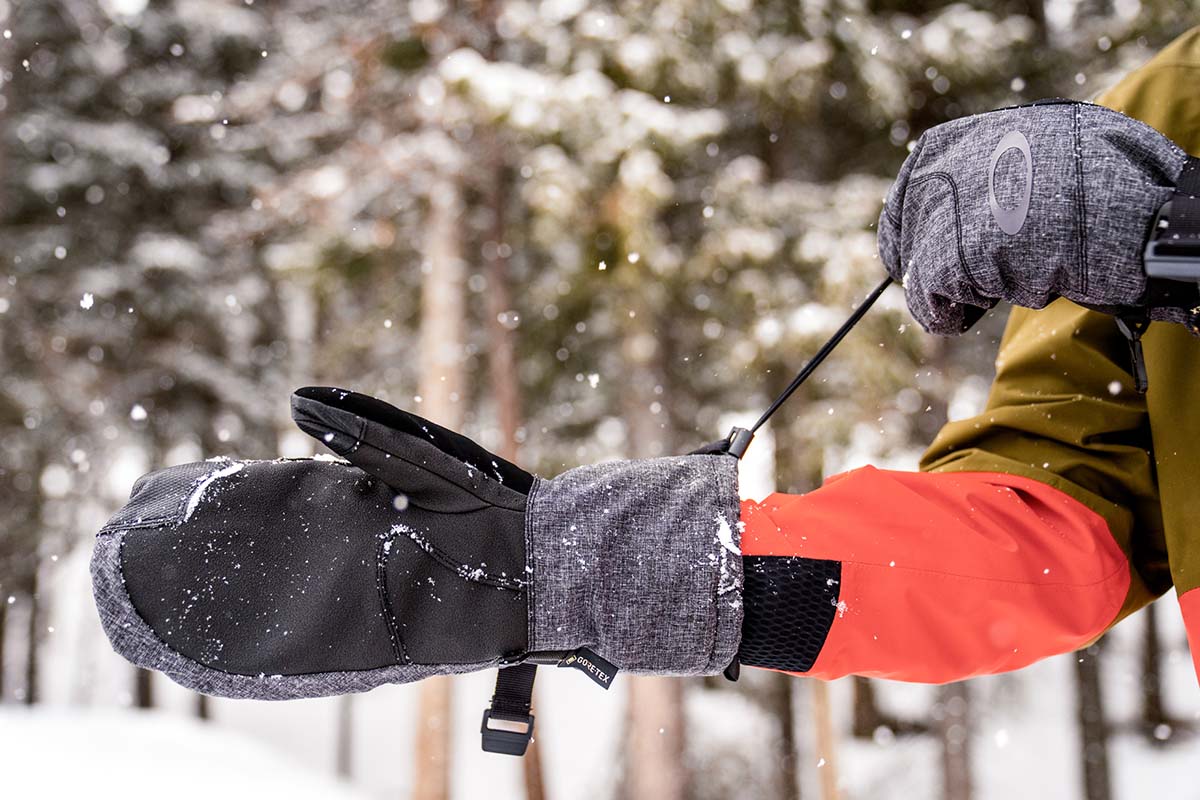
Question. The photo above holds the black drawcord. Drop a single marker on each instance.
(739, 438)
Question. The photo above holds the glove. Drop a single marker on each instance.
(1026, 204)
(420, 554)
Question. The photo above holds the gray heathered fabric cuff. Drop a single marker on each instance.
(639, 560)
(133, 638)
(1026, 204)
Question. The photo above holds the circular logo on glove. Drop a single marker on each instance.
(1012, 219)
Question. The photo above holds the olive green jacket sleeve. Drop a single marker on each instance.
(1063, 409)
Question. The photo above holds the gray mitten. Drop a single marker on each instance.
(1026, 204)
(423, 555)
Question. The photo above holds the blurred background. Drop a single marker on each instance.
(574, 231)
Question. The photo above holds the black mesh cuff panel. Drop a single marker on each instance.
(790, 604)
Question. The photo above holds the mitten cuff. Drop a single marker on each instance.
(640, 561)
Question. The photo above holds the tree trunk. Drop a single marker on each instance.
(33, 630)
(1093, 728)
(954, 729)
(143, 688)
(345, 736)
(3, 627)
(1154, 712)
(654, 748)
(203, 711)
(781, 707)
(502, 376)
(869, 717)
(442, 391)
(825, 741)
(502, 358)
(433, 740)
(535, 785)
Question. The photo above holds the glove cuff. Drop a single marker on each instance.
(640, 561)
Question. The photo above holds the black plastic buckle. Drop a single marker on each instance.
(1169, 255)
(504, 740)
(739, 440)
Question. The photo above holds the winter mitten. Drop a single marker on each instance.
(1030, 203)
(420, 554)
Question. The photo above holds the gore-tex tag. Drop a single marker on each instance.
(600, 671)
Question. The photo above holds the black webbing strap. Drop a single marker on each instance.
(507, 725)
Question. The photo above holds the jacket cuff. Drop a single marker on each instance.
(641, 561)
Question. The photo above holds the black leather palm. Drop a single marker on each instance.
(412, 554)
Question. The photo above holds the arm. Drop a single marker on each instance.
(1033, 529)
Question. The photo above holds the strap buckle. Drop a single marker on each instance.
(512, 734)
(1172, 254)
(507, 725)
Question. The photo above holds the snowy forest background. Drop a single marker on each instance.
(572, 230)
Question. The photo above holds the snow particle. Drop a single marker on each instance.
(86, 301)
(400, 502)
(603, 266)
(137, 413)
(1114, 388)
(203, 484)
(906, 34)
(725, 535)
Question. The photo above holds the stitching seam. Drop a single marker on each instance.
(958, 226)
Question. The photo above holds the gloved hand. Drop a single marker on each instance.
(423, 555)
(1026, 204)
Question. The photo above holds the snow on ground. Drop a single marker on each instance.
(58, 752)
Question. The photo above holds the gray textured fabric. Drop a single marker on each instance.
(136, 641)
(956, 231)
(639, 560)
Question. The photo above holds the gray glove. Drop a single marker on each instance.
(1026, 204)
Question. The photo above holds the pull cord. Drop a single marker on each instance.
(739, 438)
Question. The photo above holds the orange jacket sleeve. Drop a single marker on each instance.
(932, 577)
